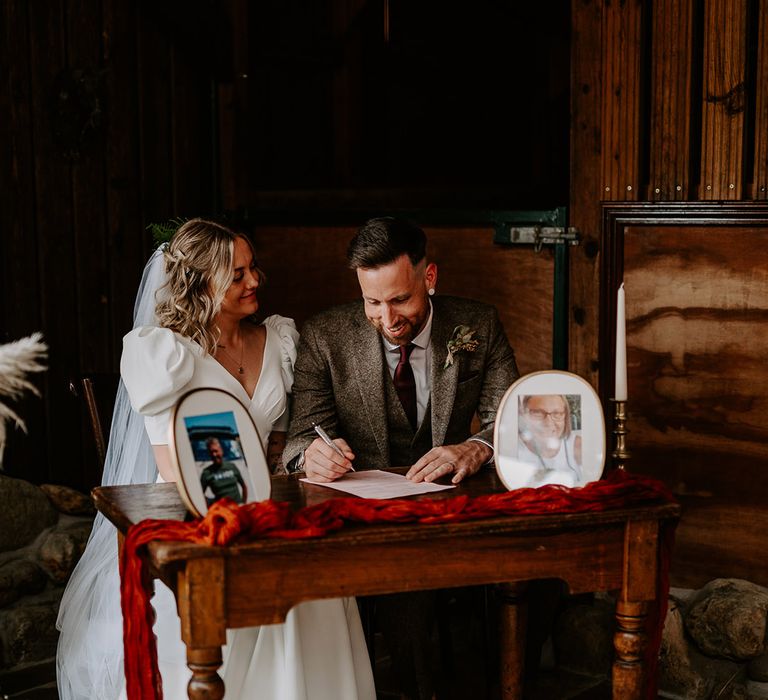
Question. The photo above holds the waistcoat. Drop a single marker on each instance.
(405, 446)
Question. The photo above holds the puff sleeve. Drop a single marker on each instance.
(288, 338)
(155, 367)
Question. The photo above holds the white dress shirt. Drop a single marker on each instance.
(421, 364)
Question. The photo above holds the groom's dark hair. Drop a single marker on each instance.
(383, 240)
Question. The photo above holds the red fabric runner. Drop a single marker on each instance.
(227, 523)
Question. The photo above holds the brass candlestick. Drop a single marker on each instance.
(620, 453)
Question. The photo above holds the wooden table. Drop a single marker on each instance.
(258, 583)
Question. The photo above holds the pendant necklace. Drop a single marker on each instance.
(240, 369)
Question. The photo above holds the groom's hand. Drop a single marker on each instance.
(461, 460)
(323, 463)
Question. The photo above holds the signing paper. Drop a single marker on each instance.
(375, 483)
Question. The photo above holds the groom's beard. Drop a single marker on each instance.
(406, 330)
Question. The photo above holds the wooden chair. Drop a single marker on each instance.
(98, 392)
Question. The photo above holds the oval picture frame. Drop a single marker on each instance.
(549, 429)
(216, 451)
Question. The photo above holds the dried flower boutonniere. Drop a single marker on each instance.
(462, 341)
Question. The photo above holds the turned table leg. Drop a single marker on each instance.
(513, 618)
(641, 539)
(629, 644)
(200, 597)
(205, 684)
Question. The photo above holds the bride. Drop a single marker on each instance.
(200, 332)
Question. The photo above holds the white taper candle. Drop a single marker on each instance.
(620, 390)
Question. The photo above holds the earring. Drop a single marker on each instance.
(431, 291)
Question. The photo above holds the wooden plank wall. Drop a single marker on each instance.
(622, 83)
(697, 340)
(724, 100)
(675, 95)
(111, 125)
(515, 279)
(760, 173)
(584, 208)
(670, 103)
(667, 94)
(92, 91)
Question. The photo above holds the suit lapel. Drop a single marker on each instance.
(369, 373)
(444, 381)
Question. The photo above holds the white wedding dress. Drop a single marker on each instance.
(319, 653)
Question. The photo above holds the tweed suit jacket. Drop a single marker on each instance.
(340, 375)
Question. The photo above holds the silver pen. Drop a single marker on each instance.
(327, 440)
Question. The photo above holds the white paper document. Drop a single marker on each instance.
(375, 483)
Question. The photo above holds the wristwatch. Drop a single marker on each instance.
(296, 464)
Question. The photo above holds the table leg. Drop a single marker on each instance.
(205, 684)
(641, 546)
(200, 597)
(513, 618)
(629, 643)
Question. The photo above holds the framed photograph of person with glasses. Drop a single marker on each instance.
(549, 429)
(216, 451)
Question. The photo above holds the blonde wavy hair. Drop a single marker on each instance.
(198, 265)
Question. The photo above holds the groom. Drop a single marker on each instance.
(396, 380)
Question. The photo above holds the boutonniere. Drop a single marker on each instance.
(462, 341)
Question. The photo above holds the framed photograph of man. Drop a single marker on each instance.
(549, 429)
(217, 451)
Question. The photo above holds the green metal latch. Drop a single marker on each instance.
(536, 235)
(540, 228)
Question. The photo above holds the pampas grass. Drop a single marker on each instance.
(17, 360)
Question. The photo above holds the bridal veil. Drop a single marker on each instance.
(90, 650)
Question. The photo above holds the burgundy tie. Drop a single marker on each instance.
(405, 384)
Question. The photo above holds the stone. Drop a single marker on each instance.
(757, 691)
(80, 530)
(682, 595)
(727, 619)
(19, 578)
(27, 634)
(58, 554)
(684, 672)
(26, 512)
(757, 668)
(67, 500)
(583, 638)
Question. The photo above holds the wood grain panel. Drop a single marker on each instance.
(586, 189)
(128, 241)
(233, 104)
(73, 240)
(155, 109)
(697, 335)
(697, 306)
(760, 175)
(89, 202)
(670, 101)
(724, 99)
(516, 280)
(19, 303)
(190, 132)
(347, 82)
(19, 272)
(92, 316)
(307, 272)
(622, 28)
(717, 538)
(55, 237)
